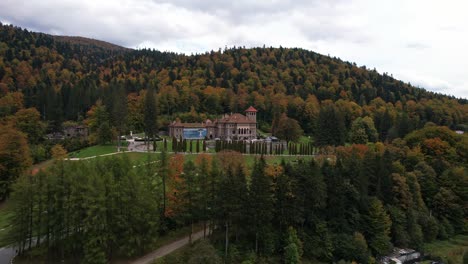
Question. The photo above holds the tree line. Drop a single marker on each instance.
(352, 203)
(47, 84)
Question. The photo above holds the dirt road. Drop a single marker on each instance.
(167, 249)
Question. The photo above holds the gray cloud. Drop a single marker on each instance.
(373, 33)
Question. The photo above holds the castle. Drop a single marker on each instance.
(229, 127)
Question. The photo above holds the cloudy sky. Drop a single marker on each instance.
(424, 42)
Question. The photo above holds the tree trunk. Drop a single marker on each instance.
(227, 240)
(204, 229)
(191, 232)
(164, 192)
(30, 215)
(118, 142)
(256, 242)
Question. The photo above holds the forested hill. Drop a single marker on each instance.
(89, 42)
(388, 169)
(63, 77)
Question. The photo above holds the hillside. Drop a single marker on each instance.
(365, 162)
(89, 42)
(63, 77)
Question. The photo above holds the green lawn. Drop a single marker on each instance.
(262, 133)
(451, 251)
(93, 151)
(5, 214)
(306, 139)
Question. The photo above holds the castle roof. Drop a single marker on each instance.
(231, 119)
(236, 118)
(251, 109)
(187, 125)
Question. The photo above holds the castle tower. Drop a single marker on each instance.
(251, 113)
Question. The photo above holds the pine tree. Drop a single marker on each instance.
(331, 126)
(293, 250)
(261, 204)
(378, 228)
(150, 115)
(119, 111)
(164, 172)
(189, 194)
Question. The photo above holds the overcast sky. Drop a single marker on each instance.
(419, 41)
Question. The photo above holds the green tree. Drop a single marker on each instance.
(119, 111)
(362, 131)
(261, 204)
(164, 173)
(287, 129)
(188, 190)
(29, 122)
(150, 115)
(204, 253)
(331, 126)
(99, 123)
(378, 228)
(360, 251)
(104, 134)
(293, 250)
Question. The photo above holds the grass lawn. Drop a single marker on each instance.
(306, 139)
(93, 151)
(5, 214)
(263, 134)
(451, 251)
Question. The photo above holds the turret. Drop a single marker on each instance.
(251, 113)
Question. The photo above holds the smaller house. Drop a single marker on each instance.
(77, 131)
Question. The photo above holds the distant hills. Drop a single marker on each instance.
(62, 77)
(89, 42)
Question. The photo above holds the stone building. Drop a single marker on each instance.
(228, 127)
(76, 131)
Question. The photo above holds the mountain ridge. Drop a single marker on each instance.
(63, 77)
(89, 41)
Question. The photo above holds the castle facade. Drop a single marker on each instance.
(229, 127)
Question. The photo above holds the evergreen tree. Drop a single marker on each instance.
(189, 194)
(293, 250)
(150, 115)
(261, 204)
(119, 111)
(378, 228)
(331, 126)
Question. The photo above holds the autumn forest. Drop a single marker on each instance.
(387, 165)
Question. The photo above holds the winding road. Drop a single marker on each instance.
(7, 254)
(167, 249)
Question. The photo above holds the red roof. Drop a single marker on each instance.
(236, 118)
(251, 109)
